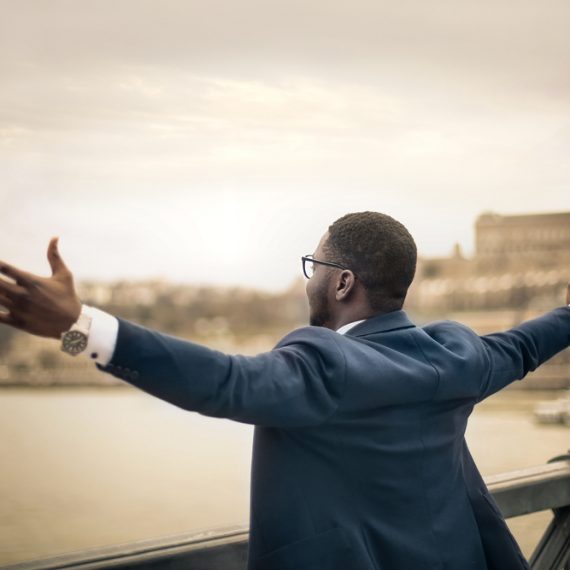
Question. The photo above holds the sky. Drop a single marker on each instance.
(214, 142)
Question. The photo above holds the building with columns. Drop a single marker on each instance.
(520, 269)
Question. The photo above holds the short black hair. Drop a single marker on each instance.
(380, 251)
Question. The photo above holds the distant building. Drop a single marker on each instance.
(520, 269)
(529, 236)
(520, 262)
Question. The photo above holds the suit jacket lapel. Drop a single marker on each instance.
(382, 323)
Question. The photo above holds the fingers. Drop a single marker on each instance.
(56, 262)
(10, 320)
(5, 301)
(6, 319)
(10, 290)
(11, 296)
(21, 277)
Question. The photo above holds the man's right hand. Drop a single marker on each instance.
(44, 306)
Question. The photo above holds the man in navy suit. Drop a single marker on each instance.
(359, 457)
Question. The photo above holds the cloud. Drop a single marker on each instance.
(522, 42)
(167, 126)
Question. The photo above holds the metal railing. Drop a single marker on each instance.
(546, 487)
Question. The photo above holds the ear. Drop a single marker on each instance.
(345, 285)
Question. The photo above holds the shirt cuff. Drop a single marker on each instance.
(102, 335)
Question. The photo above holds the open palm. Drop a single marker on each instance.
(44, 306)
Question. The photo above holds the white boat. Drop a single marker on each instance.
(554, 411)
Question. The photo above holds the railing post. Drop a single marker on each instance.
(553, 550)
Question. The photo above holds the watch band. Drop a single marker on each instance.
(75, 340)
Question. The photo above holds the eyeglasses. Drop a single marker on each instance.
(309, 265)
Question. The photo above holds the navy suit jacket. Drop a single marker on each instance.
(359, 458)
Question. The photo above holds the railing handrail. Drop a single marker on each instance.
(132, 552)
(517, 493)
(532, 489)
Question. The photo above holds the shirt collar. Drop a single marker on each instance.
(383, 322)
(345, 328)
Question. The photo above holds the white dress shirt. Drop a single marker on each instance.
(102, 335)
(345, 328)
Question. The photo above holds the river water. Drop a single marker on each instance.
(83, 468)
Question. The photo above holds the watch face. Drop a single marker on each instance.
(74, 342)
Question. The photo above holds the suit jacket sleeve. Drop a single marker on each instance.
(298, 383)
(512, 354)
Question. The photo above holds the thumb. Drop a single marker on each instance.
(56, 263)
(568, 294)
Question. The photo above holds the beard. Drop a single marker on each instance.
(320, 313)
(320, 318)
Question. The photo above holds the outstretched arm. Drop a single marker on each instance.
(44, 306)
(514, 353)
(298, 384)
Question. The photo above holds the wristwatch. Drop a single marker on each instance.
(74, 341)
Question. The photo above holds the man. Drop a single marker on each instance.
(359, 457)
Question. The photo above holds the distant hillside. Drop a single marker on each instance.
(235, 320)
